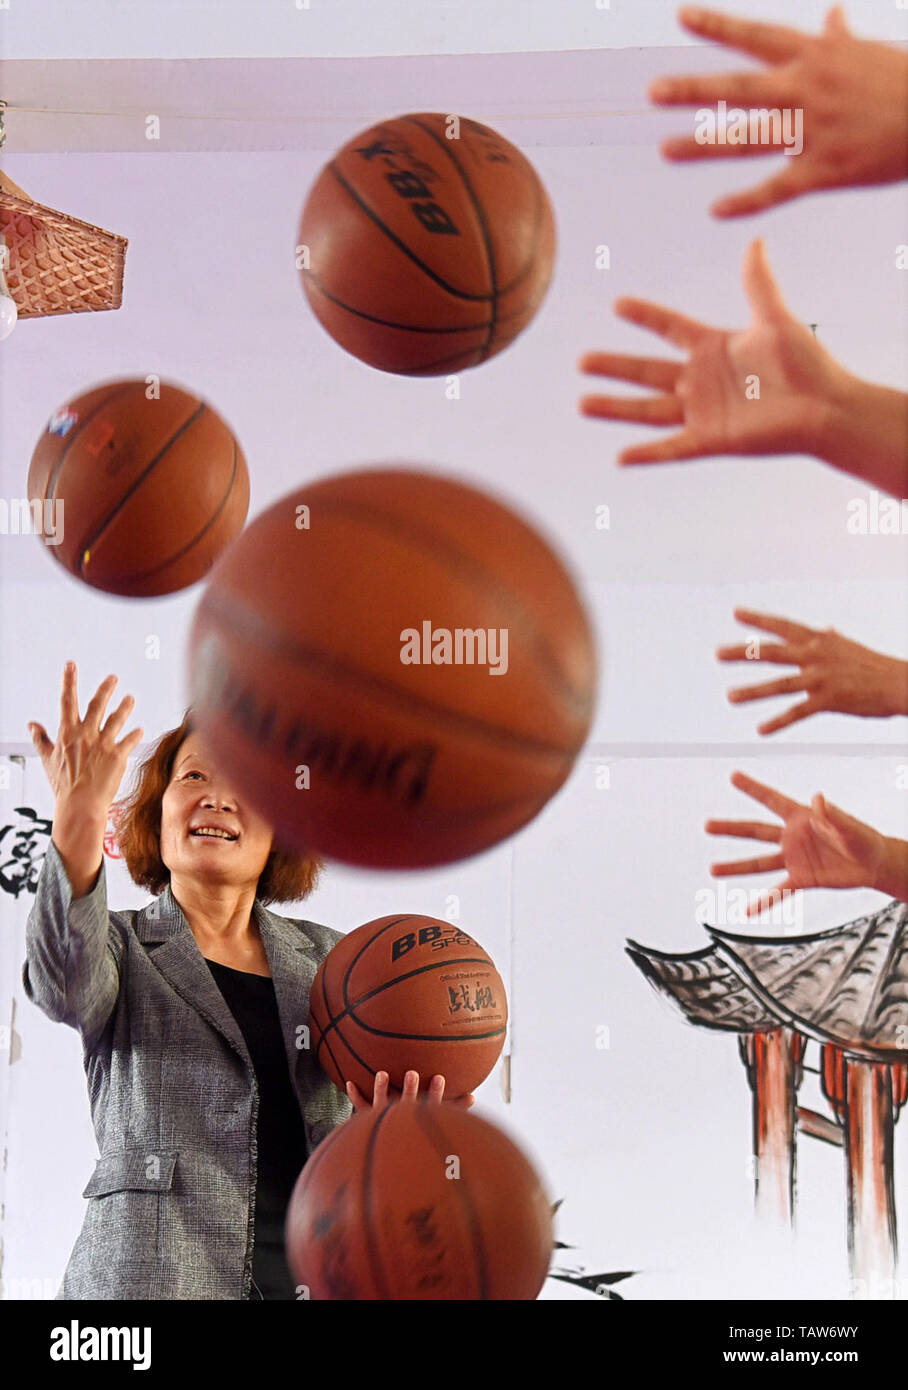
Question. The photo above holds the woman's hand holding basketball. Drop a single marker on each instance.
(84, 766)
(765, 390)
(817, 846)
(384, 1094)
(837, 674)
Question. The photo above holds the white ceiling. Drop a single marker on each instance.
(352, 28)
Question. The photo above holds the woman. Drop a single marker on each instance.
(206, 1100)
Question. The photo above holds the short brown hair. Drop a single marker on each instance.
(285, 878)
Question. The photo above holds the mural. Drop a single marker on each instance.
(847, 990)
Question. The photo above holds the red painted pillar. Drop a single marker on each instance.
(867, 1097)
(869, 1132)
(773, 1061)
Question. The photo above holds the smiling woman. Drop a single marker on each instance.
(205, 1101)
(153, 816)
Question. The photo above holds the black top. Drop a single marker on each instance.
(280, 1134)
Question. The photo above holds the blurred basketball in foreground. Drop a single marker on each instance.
(426, 244)
(408, 992)
(419, 1201)
(393, 667)
(146, 492)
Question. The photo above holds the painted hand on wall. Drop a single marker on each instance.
(837, 675)
(767, 389)
(817, 846)
(852, 93)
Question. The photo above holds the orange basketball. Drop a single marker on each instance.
(419, 1201)
(426, 244)
(149, 491)
(408, 992)
(394, 668)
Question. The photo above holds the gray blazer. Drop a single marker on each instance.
(173, 1095)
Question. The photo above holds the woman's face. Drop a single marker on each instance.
(198, 799)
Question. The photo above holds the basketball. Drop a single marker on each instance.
(426, 244)
(408, 992)
(148, 491)
(419, 1201)
(393, 667)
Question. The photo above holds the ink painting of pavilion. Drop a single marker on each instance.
(847, 990)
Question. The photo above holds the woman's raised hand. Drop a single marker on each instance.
(86, 763)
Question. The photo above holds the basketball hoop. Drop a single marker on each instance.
(51, 263)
